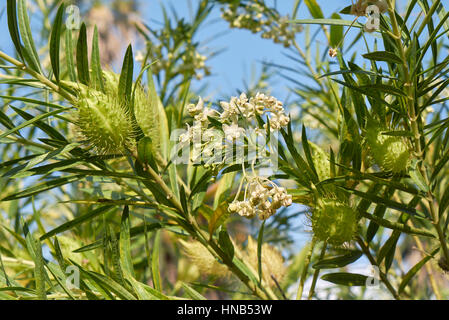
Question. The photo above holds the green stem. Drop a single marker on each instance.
(305, 270)
(39, 77)
(317, 272)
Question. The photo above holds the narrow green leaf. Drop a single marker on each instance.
(226, 244)
(95, 63)
(307, 151)
(330, 22)
(125, 243)
(55, 41)
(145, 292)
(414, 270)
(76, 222)
(162, 137)
(155, 262)
(417, 177)
(379, 212)
(339, 261)
(108, 283)
(37, 121)
(60, 279)
(192, 293)
(387, 251)
(145, 152)
(13, 26)
(336, 32)
(6, 121)
(35, 249)
(82, 60)
(383, 56)
(116, 259)
(346, 279)
(69, 53)
(217, 217)
(41, 187)
(314, 9)
(29, 49)
(386, 202)
(126, 77)
(59, 256)
(397, 226)
(444, 202)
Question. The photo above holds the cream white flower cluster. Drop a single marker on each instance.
(238, 120)
(260, 104)
(257, 18)
(264, 199)
(234, 110)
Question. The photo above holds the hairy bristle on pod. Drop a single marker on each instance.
(203, 259)
(320, 161)
(334, 221)
(146, 117)
(104, 122)
(391, 153)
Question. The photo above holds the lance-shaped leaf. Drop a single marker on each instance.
(55, 41)
(82, 60)
(126, 77)
(29, 49)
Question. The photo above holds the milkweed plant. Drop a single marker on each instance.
(141, 184)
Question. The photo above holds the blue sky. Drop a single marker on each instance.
(242, 51)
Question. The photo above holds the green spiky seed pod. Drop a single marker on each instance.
(391, 153)
(104, 122)
(147, 117)
(334, 221)
(321, 162)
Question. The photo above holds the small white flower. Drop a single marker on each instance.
(243, 208)
(233, 131)
(204, 115)
(195, 109)
(186, 137)
(140, 57)
(230, 110)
